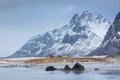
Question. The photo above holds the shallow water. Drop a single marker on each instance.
(40, 74)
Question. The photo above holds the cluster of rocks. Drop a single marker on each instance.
(77, 68)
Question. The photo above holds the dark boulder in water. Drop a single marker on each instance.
(50, 68)
(97, 69)
(78, 68)
(67, 68)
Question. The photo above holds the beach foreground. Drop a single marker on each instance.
(23, 68)
(106, 72)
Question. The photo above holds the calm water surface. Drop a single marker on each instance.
(40, 74)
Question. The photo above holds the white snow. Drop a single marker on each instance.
(119, 33)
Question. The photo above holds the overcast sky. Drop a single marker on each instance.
(22, 19)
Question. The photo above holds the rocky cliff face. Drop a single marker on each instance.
(83, 34)
(111, 42)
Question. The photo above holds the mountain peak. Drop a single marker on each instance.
(86, 15)
(91, 16)
(74, 19)
(87, 12)
(117, 19)
(91, 13)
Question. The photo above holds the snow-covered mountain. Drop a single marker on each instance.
(83, 34)
(111, 42)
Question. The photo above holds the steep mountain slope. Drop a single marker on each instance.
(83, 34)
(111, 42)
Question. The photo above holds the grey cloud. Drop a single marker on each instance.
(5, 4)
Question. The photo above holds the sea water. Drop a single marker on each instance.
(41, 74)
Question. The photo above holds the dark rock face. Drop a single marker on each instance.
(78, 68)
(111, 42)
(67, 68)
(50, 68)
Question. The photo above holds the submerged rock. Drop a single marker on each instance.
(97, 69)
(50, 68)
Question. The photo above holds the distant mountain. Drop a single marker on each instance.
(111, 42)
(83, 34)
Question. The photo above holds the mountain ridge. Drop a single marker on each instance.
(111, 42)
(83, 34)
